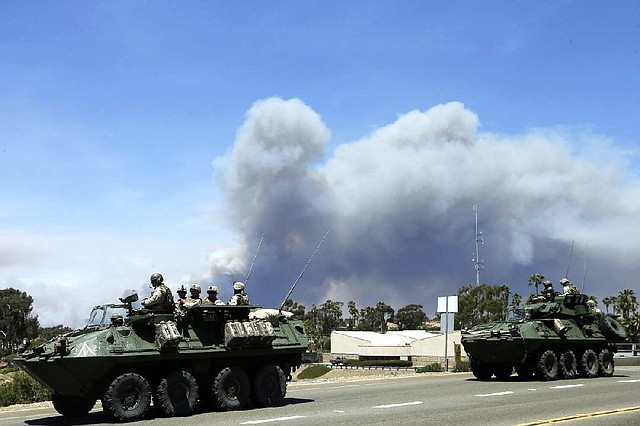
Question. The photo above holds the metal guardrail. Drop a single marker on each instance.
(371, 367)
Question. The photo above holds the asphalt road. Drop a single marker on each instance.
(454, 399)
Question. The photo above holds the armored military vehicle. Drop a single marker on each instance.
(556, 336)
(227, 357)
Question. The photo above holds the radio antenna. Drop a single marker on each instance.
(478, 264)
(246, 280)
(304, 269)
(584, 270)
(569, 265)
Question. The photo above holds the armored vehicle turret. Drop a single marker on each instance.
(555, 336)
(228, 357)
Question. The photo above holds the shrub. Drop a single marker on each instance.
(462, 367)
(313, 372)
(430, 368)
(22, 390)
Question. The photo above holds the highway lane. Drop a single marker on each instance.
(424, 400)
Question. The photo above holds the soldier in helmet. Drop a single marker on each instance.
(161, 299)
(239, 296)
(116, 319)
(593, 307)
(212, 296)
(548, 292)
(194, 299)
(567, 287)
(182, 297)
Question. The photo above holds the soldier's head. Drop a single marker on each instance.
(212, 291)
(116, 319)
(548, 285)
(156, 280)
(591, 303)
(195, 291)
(238, 286)
(182, 291)
(564, 281)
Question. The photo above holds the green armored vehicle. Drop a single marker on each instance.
(226, 357)
(554, 337)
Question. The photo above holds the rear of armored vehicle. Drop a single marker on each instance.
(216, 355)
(559, 339)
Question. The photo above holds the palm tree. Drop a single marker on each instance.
(536, 279)
(516, 299)
(627, 303)
(608, 301)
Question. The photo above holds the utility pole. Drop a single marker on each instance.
(478, 264)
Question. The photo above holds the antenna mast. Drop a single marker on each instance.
(478, 264)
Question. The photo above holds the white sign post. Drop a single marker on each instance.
(447, 305)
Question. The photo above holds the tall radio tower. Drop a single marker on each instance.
(478, 264)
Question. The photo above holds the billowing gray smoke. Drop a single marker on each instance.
(399, 204)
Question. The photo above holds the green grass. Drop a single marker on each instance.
(313, 372)
(430, 368)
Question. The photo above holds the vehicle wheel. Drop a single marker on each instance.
(568, 365)
(269, 386)
(127, 398)
(547, 368)
(606, 363)
(503, 371)
(589, 364)
(525, 371)
(177, 394)
(231, 389)
(612, 328)
(481, 371)
(72, 406)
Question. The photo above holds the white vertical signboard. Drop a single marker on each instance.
(447, 306)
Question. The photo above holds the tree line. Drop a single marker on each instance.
(477, 303)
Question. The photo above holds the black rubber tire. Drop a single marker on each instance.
(231, 389)
(607, 366)
(589, 365)
(612, 329)
(176, 394)
(568, 365)
(547, 367)
(503, 371)
(269, 386)
(481, 371)
(128, 398)
(72, 406)
(525, 371)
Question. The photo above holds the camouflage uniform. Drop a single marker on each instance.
(161, 300)
(239, 296)
(194, 300)
(212, 297)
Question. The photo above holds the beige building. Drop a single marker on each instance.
(418, 346)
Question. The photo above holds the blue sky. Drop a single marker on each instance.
(111, 114)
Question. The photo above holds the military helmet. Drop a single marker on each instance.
(195, 288)
(212, 289)
(591, 302)
(156, 279)
(238, 285)
(116, 315)
(564, 281)
(547, 284)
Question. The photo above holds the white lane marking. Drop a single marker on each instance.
(398, 405)
(278, 419)
(339, 411)
(566, 386)
(629, 381)
(496, 394)
(532, 389)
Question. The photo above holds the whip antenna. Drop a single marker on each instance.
(304, 269)
(569, 265)
(246, 280)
